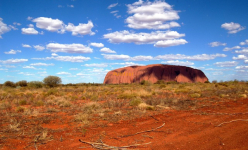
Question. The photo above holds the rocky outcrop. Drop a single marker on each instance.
(153, 73)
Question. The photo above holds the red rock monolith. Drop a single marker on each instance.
(153, 73)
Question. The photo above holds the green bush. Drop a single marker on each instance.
(145, 82)
(206, 82)
(22, 83)
(135, 102)
(52, 81)
(35, 84)
(160, 82)
(9, 84)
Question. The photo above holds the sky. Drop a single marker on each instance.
(81, 40)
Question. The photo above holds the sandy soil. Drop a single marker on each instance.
(223, 125)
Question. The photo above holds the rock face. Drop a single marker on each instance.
(154, 73)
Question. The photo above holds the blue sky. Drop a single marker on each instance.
(81, 40)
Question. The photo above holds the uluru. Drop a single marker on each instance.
(153, 73)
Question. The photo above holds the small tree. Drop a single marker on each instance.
(52, 81)
(9, 84)
(22, 83)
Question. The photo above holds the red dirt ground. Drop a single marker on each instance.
(191, 129)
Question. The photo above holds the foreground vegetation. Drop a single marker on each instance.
(25, 109)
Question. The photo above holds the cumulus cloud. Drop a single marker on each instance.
(243, 51)
(232, 48)
(97, 44)
(29, 31)
(168, 43)
(244, 43)
(141, 58)
(226, 64)
(151, 15)
(29, 67)
(116, 57)
(107, 50)
(179, 63)
(13, 61)
(112, 5)
(128, 64)
(96, 65)
(39, 47)
(41, 64)
(68, 48)
(215, 44)
(141, 38)
(81, 29)
(13, 51)
(26, 45)
(65, 58)
(53, 25)
(63, 73)
(200, 57)
(240, 57)
(29, 18)
(3, 28)
(242, 67)
(73, 69)
(232, 27)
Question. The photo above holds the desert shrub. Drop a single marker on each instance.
(23, 102)
(22, 83)
(39, 103)
(195, 95)
(9, 84)
(214, 81)
(35, 84)
(52, 81)
(51, 92)
(172, 82)
(135, 102)
(160, 82)
(145, 82)
(206, 82)
(162, 86)
(20, 109)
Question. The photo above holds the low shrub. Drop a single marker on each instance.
(145, 82)
(9, 84)
(35, 84)
(22, 83)
(135, 102)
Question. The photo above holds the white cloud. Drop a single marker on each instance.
(215, 44)
(71, 6)
(168, 43)
(243, 51)
(179, 63)
(141, 58)
(39, 48)
(107, 50)
(116, 57)
(68, 48)
(13, 51)
(232, 27)
(54, 54)
(232, 48)
(26, 45)
(217, 73)
(97, 44)
(63, 73)
(65, 58)
(141, 38)
(16, 23)
(26, 73)
(13, 61)
(128, 64)
(29, 18)
(151, 15)
(73, 69)
(96, 65)
(41, 64)
(112, 5)
(226, 64)
(240, 57)
(12, 27)
(29, 67)
(29, 31)
(49, 24)
(242, 67)
(81, 29)
(244, 43)
(200, 57)
(3, 28)
(113, 12)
